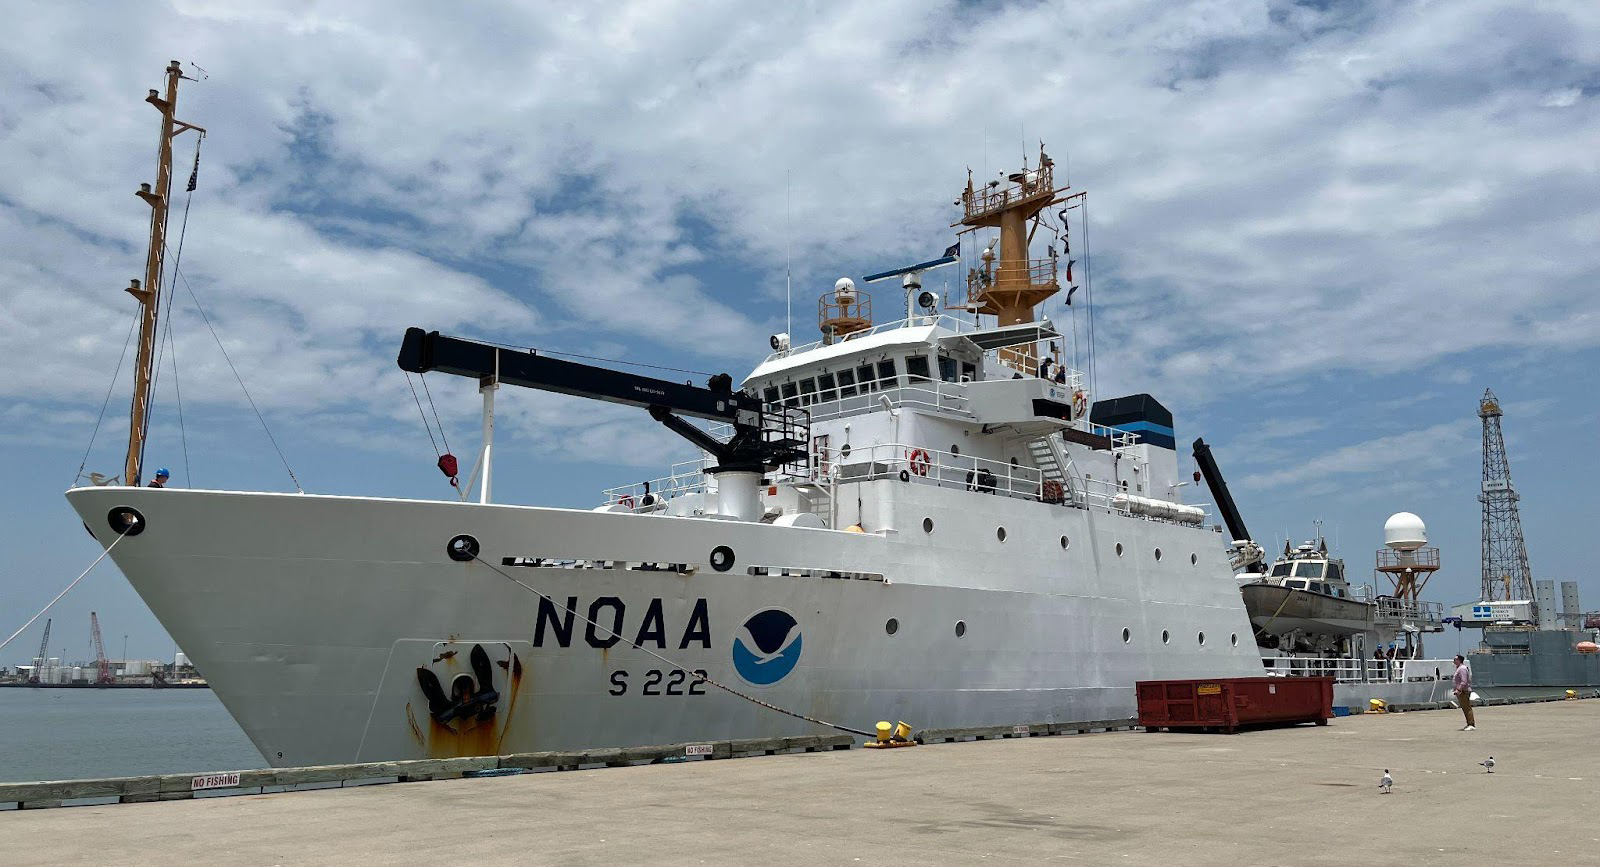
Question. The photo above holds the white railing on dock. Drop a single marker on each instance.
(1362, 670)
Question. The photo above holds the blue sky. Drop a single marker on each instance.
(1319, 231)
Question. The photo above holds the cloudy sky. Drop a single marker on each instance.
(1318, 231)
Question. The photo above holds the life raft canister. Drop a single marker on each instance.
(919, 461)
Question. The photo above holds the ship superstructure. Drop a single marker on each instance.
(926, 519)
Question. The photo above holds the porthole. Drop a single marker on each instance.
(1119, 549)
(1201, 638)
(1158, 555)
(1127, 636)
(1193, 559)
(722, 558)
(955, 449)
(1000, 533)
(892, 626)
(1166, 637)
(1065, 543)
(844, 450)
(927, 525)
(961, 628)
(1234, 638)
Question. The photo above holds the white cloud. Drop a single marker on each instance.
(1278, 190)
(1393, 461)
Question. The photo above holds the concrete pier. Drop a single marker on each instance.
(1302, 796)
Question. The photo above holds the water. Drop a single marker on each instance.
(63, 734)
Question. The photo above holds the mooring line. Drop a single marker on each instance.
(695, 674)
(120, 537)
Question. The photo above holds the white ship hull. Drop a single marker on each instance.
(310, 616)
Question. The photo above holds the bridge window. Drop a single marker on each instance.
(825, 388)
(886, 373)
(1281, 570)
(947, 368)
(770, 394)
(969, 371)
(808, 390)
(847, 383)
(1335, 572)
(865, 377)
(1295, 585)
(789, 390)
(1308, 570)
(917, 369)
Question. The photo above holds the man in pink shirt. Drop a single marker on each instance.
(1463, 690)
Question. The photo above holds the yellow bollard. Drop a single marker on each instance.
(884, 730)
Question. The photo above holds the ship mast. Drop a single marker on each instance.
(1011, 288)
(149, 293)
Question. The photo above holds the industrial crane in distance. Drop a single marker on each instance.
(102, 675)
(44, 650)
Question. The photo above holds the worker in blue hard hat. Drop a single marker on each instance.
(160, 481)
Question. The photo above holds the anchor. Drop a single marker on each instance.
(468, 698)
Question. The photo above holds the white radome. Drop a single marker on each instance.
(1404, 532)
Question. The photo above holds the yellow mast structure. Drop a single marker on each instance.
(149, 294)
(1011, 287)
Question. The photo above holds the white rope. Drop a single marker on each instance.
(74, 583)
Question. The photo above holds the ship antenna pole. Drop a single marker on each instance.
(788, 283)
(149, 294)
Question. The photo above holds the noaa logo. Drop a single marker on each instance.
(767, 647)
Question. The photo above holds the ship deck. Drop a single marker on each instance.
(1304, 796)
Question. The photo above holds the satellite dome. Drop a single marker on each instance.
(1404, 532)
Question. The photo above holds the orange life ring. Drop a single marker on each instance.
(919, 461)
(626, 501)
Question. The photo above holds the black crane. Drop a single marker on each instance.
(1246, 554)
(1219, 490)
(44, 653)
(765, 436)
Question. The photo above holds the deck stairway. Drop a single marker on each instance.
(1054, 464)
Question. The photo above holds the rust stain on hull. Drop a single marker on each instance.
(416, 730)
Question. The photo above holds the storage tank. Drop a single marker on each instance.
(181, 659)
(136, 668)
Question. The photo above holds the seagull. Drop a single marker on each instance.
(1488, 764)
(1386, 782)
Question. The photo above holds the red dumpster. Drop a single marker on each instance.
(1230, 702)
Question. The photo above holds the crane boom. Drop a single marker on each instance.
(1244, 554)
(764, 436)
(44, 652)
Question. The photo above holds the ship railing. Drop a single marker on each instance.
(1404, 609)
(995, 359)
(1034, 273)
(951, 323)
(919, 465)
(986, 199)
(932, 395)
(1345, 670)
(686, 477)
